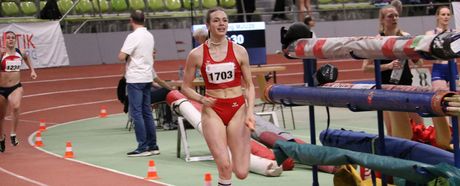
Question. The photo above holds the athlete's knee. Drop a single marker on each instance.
(15, 109)
(241, 173)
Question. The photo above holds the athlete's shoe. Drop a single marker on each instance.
(14, 140)
(2, 144)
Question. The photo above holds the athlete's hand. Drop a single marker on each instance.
(33, 75)
(207, 101)
(250, 122)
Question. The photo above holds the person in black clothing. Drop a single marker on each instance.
(245, 6)
(279, 7)
(397, 123)
(50, 11)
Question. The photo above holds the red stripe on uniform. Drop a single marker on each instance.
(299, 48)
(387, 48)
(317, 49)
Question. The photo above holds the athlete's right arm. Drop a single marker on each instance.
(191, 63)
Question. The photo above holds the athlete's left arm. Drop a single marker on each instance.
(26, 58)
(243, 58)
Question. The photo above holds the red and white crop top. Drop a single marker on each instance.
(221, 74)
(11, 63)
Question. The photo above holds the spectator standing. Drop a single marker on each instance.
(279, 7)
(397, 123)
(137, 51)
(304, 8)
(245, 7)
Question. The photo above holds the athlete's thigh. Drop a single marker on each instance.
(400, 125)
(3, 106)
(214, 132)
(239, 136)
(15, 97)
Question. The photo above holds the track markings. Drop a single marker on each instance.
(68, 91)
(22, 177)
(66, 106)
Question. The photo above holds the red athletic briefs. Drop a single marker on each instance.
(226, 108)
(424, 134)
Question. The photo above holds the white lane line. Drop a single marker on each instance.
(69, 79)
(31, 142)
(84, 78)
(22, 177)
(65, 106)
(68, 91)
(27, 121)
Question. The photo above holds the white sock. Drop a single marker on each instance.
(13, 134)
(223, 182)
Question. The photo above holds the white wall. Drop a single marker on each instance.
(103, 48)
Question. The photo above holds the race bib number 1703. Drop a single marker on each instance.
(220, 73)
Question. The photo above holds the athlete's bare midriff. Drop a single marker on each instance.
(230, 92)
(9, 79)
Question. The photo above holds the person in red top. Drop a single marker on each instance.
(10, 84)
(227, 114)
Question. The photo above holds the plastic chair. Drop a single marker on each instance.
(156, 5)
(84, 7)
(10, 9)
(104, 5)
(64, 5)
(28, 8)
(137, 4)
(228, 3)
(173, 5)
(209, 3)
(188, 4)
(119, 5)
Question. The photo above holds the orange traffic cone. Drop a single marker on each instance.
(42, 125)
(68, 150)
(103, 112)
(152, 171)
(207, 179)
(38, 139)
